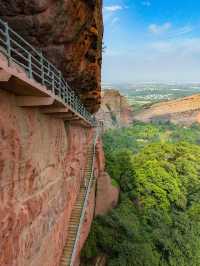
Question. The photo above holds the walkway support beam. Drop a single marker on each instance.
(33, 101)
(54, 110)
(4, 76)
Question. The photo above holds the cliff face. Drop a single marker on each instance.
(107, 195)
(185, 111)
(42, 158)
(69, 33)
(42, 162)
(115, 110)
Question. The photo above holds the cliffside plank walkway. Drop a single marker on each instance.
(79, 210)
(35, 81)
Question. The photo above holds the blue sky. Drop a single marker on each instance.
(151, 41)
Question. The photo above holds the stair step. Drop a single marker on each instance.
(76, 214)
(65, 262)
(72, 235)
(70, 244)
(80, 198)
(74, 231)
(77, 209)
(68, 251)
(73, 227)
(74, 220)
(82, 192)
(67, 254)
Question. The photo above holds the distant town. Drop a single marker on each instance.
(145, 94)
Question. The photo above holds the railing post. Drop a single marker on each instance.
(30, 72)
(66, 92)
(42, 67)
(53, 83)
(71, 99)
(59, 86)
(8, 44)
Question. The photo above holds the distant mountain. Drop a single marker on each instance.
(183, 111)
(115, 110)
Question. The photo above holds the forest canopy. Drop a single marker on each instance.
(157, 220)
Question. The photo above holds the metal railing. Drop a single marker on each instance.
(86, 198)
(37, 67)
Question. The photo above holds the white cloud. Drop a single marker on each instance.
(176, 47)
(146, 3)
(175, 59)
(113, 8)
(181, 31)
(159, 29)
(114, 21)
(169, 31)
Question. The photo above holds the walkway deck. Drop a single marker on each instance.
(37, 82)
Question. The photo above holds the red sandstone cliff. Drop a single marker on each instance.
(70, 35)
(185, 111)
(42, 158)
(41, 167)
(115, 110)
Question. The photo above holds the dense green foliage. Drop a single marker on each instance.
(157, 221)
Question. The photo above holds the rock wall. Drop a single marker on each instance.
(115, 110)
(41, 168)
(69, 33)
(184, 111)
(107, 194)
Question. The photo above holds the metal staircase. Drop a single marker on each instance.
(78, 213)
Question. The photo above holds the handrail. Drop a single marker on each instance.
(37, 67)
(73, 255)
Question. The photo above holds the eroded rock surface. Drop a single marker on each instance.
(69, 33)
(115, 110)
(107, 193)
(42, 162)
